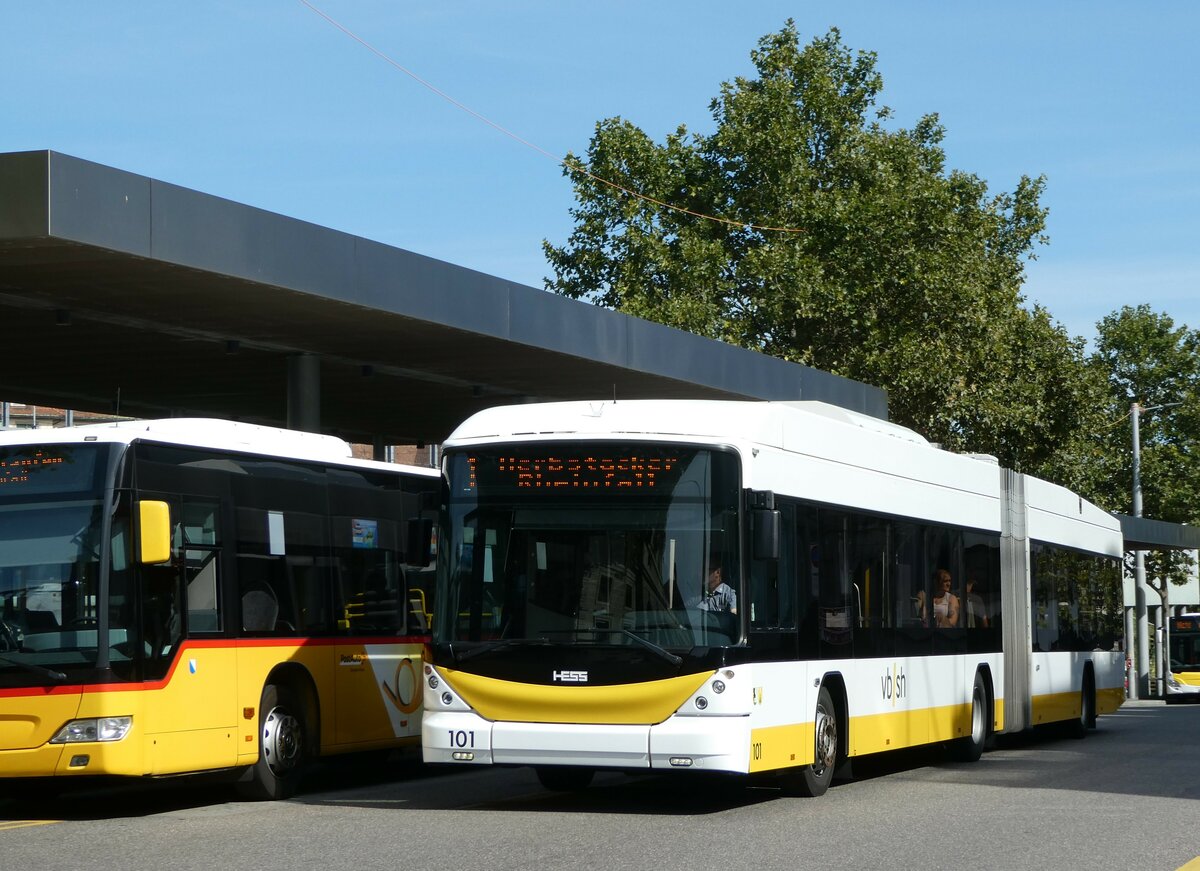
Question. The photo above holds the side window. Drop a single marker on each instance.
(866, 560)
(198, 544)
(283, 572)
(373, 595)
(836, 603)
(773, 582)
(909, 590)
(943, 569)
(981, 591)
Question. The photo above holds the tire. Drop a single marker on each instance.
(283, 746)
(970, 748)
(812, 780)
(1087, 708)
(562, 778)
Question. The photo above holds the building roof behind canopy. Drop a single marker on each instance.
(118, 288)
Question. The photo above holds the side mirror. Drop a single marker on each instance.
(765, 523)
(154, 531)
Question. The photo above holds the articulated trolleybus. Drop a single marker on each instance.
(752, 588)
(186, 596)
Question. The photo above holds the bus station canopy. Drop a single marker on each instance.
(121, 293)
(1144, 533)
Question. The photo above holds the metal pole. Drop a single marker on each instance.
(1142, 688)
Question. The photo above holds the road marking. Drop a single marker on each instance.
(24, 824)
(1194, 865)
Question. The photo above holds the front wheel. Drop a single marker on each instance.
(812, 780)
(282, 746)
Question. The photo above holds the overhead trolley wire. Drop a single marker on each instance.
(568, 164)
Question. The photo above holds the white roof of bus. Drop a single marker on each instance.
(858, 444)
(211, 433)
(730, 421)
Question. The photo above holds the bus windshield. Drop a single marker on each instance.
(1185, 643)
(591, 543)
(51, 501)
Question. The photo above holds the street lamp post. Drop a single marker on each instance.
(1141, 687)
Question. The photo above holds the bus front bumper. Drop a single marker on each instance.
(701, 743)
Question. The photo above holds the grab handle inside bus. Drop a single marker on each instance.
(154, 531)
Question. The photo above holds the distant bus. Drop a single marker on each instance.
(1183, 676)
(753, 588)
(184, 596)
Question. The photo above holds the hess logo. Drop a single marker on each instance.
(570, 677)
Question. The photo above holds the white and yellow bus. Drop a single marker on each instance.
(753, 588)
(1183, 674)
(184, 596)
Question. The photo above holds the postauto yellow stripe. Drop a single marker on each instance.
(1191, 678)
(624, 704)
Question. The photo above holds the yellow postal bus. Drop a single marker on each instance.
(184, 596)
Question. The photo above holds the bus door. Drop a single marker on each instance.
(190, 672)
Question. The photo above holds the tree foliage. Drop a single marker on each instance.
(891, 268)
(1147, 359)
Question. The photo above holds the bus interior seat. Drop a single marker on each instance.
(260, 609)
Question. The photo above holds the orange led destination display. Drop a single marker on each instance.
(17, 469)
(615, 473)
(35, 470)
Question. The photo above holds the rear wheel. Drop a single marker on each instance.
(812, 780)
(1087, 708)
(563, 778)
(282, 737)
(970, 748)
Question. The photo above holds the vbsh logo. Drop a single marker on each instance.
(570, 677)
(894, 685)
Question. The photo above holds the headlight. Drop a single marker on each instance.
(98, 729)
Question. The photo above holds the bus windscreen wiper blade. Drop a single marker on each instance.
(501, 644)
(650, 645)
(36, 669)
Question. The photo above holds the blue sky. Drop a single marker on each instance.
(263, 102)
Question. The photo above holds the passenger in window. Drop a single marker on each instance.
(718, 595)
(977, 617)
(945, 603)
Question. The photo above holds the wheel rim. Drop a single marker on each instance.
(281, 741)
(826, 745)
(977, 726)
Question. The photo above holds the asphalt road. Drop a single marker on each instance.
(1126, 797)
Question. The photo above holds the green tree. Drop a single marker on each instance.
(835, 241)
(1145, 358)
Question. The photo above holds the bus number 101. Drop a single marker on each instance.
(462, 738)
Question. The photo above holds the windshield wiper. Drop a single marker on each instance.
(650, 645)
(501, 644)
(36, 669)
